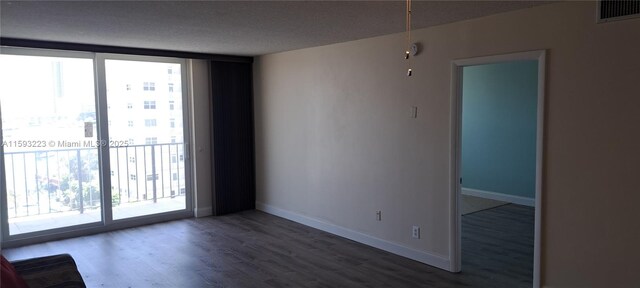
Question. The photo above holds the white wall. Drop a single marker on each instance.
(335, 143)
(201, 137)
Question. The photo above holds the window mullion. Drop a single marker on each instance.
(103, 130)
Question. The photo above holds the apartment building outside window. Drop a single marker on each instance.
(149, 104)
(151, 140)
(149, 86)
(150, 123)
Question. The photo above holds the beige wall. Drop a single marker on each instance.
(201, 137)
(335, 143)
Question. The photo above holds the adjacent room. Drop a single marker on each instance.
(319, 143)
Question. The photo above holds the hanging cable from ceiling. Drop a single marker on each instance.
(408, 35)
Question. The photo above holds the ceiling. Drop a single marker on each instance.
(246, 28)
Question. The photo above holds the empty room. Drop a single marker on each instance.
(319, 143)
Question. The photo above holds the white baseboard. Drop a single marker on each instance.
(202, 212)
(500, 197)
(439, 261)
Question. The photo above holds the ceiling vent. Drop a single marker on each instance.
(612, 10)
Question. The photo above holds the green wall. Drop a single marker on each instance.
(499, 109)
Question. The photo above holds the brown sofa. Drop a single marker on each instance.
(49, 271)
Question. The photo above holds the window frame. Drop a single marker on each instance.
(149, 86)
(149, 105)
(151, 122)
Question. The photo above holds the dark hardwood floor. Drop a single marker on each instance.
(255, 249)
(497, 244)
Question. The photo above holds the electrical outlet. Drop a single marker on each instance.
(415, 232)
(379, 215)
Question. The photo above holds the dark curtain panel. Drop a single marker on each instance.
(233, 144)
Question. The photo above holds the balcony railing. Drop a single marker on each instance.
(61, 180)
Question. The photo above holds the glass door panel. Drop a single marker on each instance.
(50, 153)
(146, 137)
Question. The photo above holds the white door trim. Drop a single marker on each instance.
(455, 128)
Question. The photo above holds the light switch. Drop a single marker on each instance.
(413, 112)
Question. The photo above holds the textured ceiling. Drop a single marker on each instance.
(229, 27)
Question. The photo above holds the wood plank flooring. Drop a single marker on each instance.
(497, 244)
(255, 249)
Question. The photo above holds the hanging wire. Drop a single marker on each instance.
(408, 35)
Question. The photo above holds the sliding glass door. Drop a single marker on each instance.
(147, 137)
(90, 140)
(50, 157)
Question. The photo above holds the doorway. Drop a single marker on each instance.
(476, 165)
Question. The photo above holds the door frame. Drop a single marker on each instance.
(456, 152)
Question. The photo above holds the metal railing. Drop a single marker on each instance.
(51, 181)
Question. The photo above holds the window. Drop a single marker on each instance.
(151, 140)
(149, 104)
(175, 177)
(172, 105)
(171, 87)
(181, 157)
(69, 90)
(149, 86)
(150, 123)
(172, 123)
(173, 139)
(174, 159)
(182, 191)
